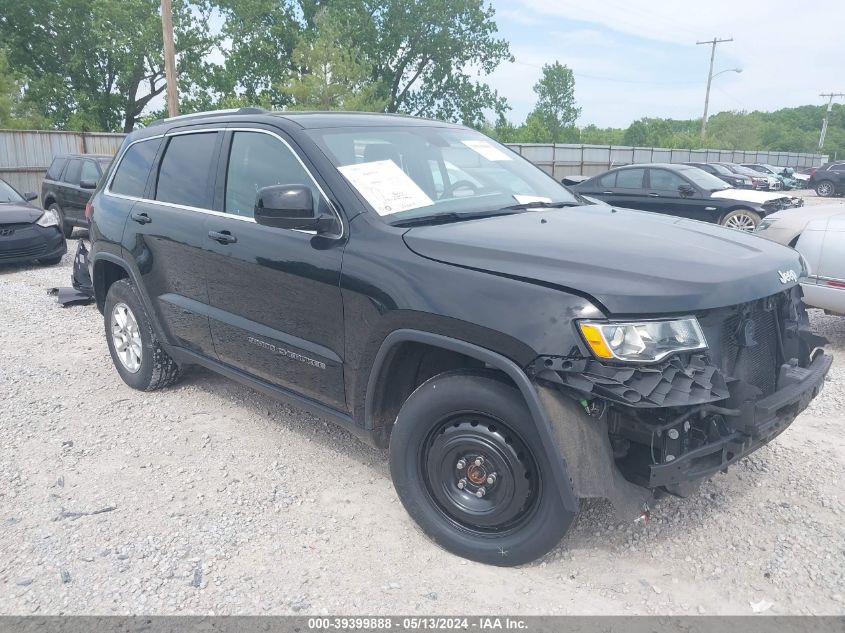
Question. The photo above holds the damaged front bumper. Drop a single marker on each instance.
(743, 434)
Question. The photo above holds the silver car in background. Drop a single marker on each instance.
(818, 233)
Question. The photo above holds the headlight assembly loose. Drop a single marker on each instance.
(48, 218)
(642, 341)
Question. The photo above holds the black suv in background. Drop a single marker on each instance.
(68, 185)
(828, 180)
(437, 295)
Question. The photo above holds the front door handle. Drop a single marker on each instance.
(654, 195)
(223, 237)
(140, 218)
(607, 193)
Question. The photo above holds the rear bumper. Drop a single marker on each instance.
(31, 242)
(758, 424)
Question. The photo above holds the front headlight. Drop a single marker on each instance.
(764, 224)
(48, 218)
(643, 341)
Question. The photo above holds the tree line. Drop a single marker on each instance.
(97, 65)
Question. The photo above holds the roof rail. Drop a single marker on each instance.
(208, 113)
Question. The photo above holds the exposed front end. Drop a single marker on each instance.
(693, 413)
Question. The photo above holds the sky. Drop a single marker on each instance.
(637, 58)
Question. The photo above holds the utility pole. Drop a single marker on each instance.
(830, 96)
(713, 43)
(169, 57)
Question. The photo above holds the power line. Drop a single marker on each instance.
(830, 96)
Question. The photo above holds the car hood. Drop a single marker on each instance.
(18, 213)
(630, 262)
(748, 195)
(800, 217)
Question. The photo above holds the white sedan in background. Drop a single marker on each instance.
(818, 233)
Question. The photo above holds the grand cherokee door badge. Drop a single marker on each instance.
(286, 352)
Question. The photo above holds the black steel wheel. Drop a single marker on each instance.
(470, 469)
(479, 473)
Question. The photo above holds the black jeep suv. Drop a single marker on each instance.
(68, 185)
(436, 294)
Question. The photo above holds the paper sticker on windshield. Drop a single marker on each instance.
(529, 199)
(385, 186)
(487, 150)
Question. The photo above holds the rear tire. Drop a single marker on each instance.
(67, 229)
(825, 189)
(503, 510)
(741, 220)
(137, 354)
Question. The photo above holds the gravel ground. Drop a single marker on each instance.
(211, 498)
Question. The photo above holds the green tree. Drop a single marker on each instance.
(555, 111)
(331, 73)
(422, 57)
(97, 64)
(15, 111)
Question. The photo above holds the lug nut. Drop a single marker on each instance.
(481, 492)
(461, 464)
(670, 458)
(491, 479)
(479, 461)
(462, 484)
(673, 434)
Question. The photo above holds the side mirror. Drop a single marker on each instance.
(88, 184)
(686, 190)
(289, 207)
(30, 195)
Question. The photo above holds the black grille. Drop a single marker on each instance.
(30, 251)
(749, 349)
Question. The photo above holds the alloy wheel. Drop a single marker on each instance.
(126, 337)
(741, 222)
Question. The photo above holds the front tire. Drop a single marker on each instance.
(741, 220)
(825, 189)
(67, 229)
(469, 468)
(137, 354)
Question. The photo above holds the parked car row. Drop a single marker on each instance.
(685, 191)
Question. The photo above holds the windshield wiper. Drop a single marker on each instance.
(540, 205)
(445, 218)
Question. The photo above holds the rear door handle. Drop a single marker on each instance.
(223, 237)
(607, 193)
(140, 218)
(654, 195)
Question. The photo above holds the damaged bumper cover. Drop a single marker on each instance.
(757, 424)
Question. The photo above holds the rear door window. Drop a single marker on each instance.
(130, 179)
(607, 181)
(73, 171)
(185, 173)
(630, 178)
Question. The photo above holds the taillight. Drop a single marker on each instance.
(89, 211)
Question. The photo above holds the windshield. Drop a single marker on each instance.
(427, 171)
(705, 180)
(721, 169)
(8, 193)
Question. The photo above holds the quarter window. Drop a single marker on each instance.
(630, 178)
(130, 179)
(258, 160)
(184, 176)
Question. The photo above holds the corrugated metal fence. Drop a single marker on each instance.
(26, 155)
(589, 160)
